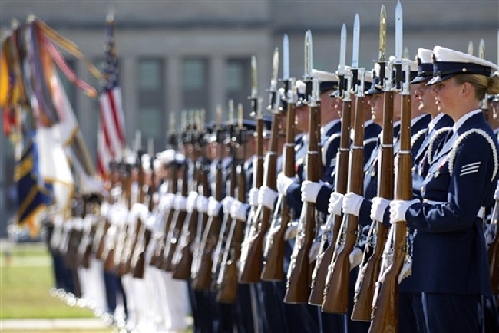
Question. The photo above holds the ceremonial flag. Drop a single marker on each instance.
(33, 195)
(111, 133)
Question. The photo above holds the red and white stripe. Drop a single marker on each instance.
(111, 134)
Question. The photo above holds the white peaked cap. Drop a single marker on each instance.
(368, 76)
(301, 88)
(425, 55)
(324, 76)
(449, 55)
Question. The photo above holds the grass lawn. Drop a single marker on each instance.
(24, 288)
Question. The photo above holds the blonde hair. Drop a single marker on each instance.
(481, 83)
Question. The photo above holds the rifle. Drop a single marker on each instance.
(132, 235)
(115, 240)
(333, 222)
(273, 253)
(227, 277)
(249, 274)
(337, 281)
(138, 259)
(253, 261)
(493, 250)
(385, 303)
(174, 219)
(300, 267)
(206, 240)
(228, 221)
(369, 270)
(182, 258)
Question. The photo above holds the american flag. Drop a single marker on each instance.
(111, 133)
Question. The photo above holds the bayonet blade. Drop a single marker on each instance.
(398, 32)
(470, 47)
(382, 35)
(275, 70)
(254, 78)
(309, 61)
(356, 42)
(285, 57)
(343, 50)
(481, 49)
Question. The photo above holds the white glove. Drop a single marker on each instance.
(227, 203)
(166, 201)
(309, 191)
(202, 204)
(213, 207)
(253, 197)
(351, 203)
(335, 201)
(238, 210)
(180, 202)
(191, 202)
(283, 183)
(267, 197)
(398, 208)
(496, 194)
(378, 208)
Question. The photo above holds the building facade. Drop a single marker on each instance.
(189, 55)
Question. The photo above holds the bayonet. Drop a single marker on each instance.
(309, 61)
(285, 58)
(254, 88)
(273, 81)
(481, 49)
(138, 140)
(341, 65)
(231, 111)
(470, 47)
(356, 42)
(382, 36)
(254, 78)
(355, 50)
(150, 147)
(398, 32)
(240, 114)
(343, 50)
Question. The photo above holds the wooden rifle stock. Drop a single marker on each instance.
(493, 251)
(337, 286)
(333, 222)
(227, 277)
(100, 237)
(385, 309)
(274, 249)
(182, 258)
(370, 269)
(300, 268)
(248, 273)
(174, 220)
(206, 241)
(253, 262)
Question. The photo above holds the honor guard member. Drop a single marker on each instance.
(330, 141)
(493, 119)
(449, 260)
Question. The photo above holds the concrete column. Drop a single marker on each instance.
(129, 72)
(173, 75)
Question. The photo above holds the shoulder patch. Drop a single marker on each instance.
(473, 167)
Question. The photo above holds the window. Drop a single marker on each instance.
(238, 82)
(195, 88)
(151, 101)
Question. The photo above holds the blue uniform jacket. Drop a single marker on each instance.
(449, 253)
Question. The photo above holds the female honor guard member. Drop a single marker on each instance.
(449, 259)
